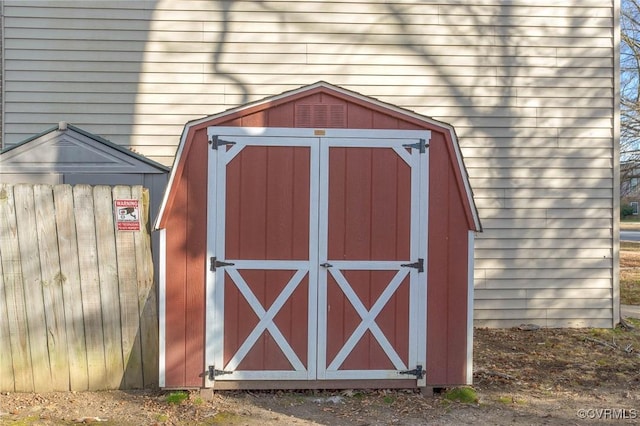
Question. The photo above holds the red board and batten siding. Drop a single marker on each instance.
(184, 219)
(186, 247)
(447, 266)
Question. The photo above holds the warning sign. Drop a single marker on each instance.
(127, 215)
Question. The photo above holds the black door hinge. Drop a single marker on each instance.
(213, 372)
(419, 265)
(215, 142)
(421, 145)
(418, 372)
(215, 263)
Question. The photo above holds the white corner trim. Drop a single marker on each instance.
(162, 308)
(615, 284)
(470, 251)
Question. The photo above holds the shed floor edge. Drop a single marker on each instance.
(313, 384)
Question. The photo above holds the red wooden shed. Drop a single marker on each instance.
(317, 239)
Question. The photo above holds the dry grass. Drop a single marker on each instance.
(630, 225)
(629, 254)
(630, 273)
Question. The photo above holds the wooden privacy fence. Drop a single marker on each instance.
(77, 300)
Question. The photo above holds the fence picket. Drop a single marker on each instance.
(8, 278)
(30, 260)
(90, 286)
(14, 295)
(72, 296)
(146, 293)
(6, 363)
(130, 315)
(108, 271)
(51, 281)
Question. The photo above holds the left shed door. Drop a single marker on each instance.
(265, 228)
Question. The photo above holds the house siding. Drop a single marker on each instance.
(529, 88)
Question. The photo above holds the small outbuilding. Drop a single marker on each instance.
(71, 155)
(317, 239)
(68, 154)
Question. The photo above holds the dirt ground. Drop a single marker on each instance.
(521, 376)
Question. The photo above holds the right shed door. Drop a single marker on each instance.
(372, 249)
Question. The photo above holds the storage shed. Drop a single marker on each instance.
(317, 239)
(71, 155)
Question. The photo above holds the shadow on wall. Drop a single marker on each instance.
(541, 168)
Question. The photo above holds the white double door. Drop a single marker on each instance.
(317, 247)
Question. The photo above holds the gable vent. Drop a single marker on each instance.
(320, 115)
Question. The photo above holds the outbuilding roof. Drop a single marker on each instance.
(66, 147)
(234, 115)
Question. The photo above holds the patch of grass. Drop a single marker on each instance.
(26, 421)
(177, 397)
(510, 400)
(198, 401)
(630, 224)
(607, 333)
(463, 394)
(353, 393)
(505, 400)
(634, 321)
(388, 399)
(630, 273)
(226, 418)
(630, 287)
(629, 254)
(630, 246)
(161, 418)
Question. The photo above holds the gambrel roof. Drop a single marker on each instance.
(260, 113)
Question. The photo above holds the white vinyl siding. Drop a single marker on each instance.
(528, 86)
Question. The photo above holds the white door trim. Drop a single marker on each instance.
(396, 140)
(218, 160)
(319, 142)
